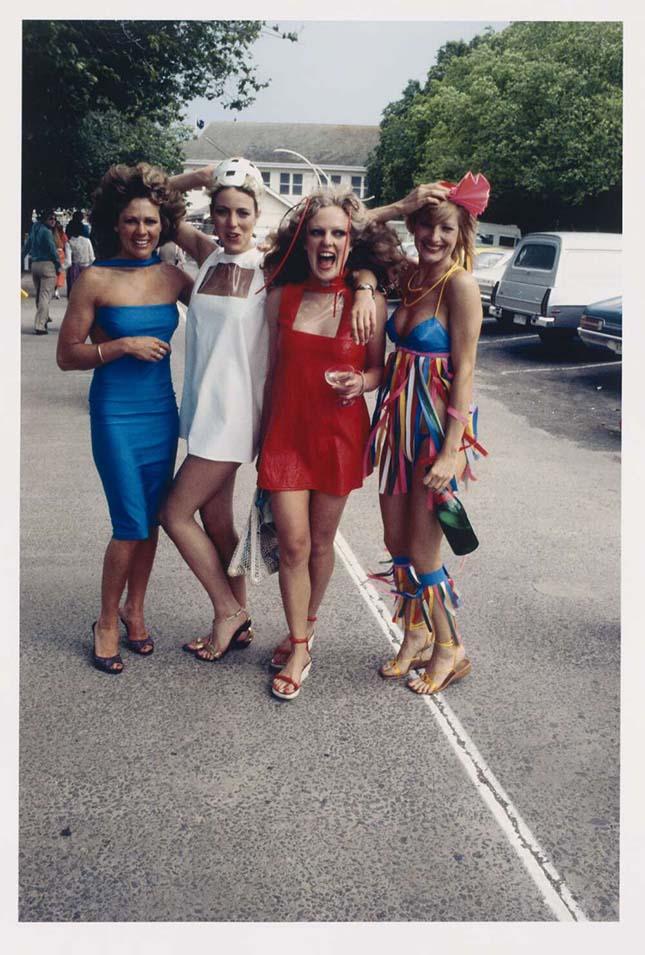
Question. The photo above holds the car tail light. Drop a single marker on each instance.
(545, 302)
(494, 293)
(593, 324)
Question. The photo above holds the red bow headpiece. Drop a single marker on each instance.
(471, 192)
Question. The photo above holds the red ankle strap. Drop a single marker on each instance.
(295, 640)
(311, 619)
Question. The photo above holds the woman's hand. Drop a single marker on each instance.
(147, 348)
(441, 473)
(353, 386)
(427, 194)
(363, 316)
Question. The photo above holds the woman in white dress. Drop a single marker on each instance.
(227, 340)
(226, 362)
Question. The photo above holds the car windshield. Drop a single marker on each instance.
(486, 260)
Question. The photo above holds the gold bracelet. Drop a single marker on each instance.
(100, 354)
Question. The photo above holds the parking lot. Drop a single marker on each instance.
(573, 391)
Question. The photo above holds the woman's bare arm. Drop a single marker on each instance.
(198, 245)
(190, 239)
(371, 378)
(427, 194)
(74, 353)
(465, 319)
(271, 311)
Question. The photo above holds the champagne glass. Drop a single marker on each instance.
(339, 376)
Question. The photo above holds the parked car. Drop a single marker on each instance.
(602, 324)
(488, 267)
(553, 275)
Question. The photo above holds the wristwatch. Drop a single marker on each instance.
(366, 286)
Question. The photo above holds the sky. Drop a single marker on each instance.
(340, 71)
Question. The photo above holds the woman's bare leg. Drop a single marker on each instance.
(116, 567)
(425, 542)
(218, 522)
(395, 511)
(290, 511)
(197, 481)
(138, 576)
(325, 512)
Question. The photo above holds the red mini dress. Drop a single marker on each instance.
(312, 441)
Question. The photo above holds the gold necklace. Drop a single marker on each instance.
(410, 288)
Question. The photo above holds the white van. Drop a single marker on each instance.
(492, 233)
(553, 275)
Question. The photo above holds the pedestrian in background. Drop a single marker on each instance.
(45, 266)
(126, 304)
(81, 251)
(64, 256)
(78, 225)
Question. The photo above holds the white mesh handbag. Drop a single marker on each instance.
(256, 555)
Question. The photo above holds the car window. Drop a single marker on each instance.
(536, 256)
(486, 260)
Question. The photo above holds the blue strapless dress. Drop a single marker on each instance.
(134, 420)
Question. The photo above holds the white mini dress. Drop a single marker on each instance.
(226, 358)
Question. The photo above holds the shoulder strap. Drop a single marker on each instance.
(289, 304)
(448, 275)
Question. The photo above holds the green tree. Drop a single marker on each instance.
(127, 80)
(538, 108)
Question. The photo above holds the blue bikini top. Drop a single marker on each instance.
(428, 336)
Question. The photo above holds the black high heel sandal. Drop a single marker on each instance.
(138, 646)
(112, 665)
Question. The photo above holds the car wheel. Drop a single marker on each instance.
(506, 318)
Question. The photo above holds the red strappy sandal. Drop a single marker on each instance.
(280, 656)
(289, 680)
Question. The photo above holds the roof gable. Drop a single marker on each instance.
(322, 144)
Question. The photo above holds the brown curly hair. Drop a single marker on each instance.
(118, 187)
(467, 228)
(373, 245)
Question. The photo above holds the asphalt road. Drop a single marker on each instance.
(185, 792)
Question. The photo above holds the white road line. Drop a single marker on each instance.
(510, 338)
(595, 364)
(553, 889)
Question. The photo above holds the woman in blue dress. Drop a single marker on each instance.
(423, 429)
(126, 304)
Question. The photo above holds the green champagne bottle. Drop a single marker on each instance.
(454, 522)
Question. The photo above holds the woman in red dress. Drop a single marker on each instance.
(314, 429)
